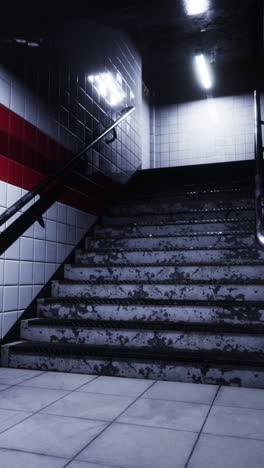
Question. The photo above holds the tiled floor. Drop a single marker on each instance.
(56, 420)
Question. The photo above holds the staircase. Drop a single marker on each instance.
(170, 286)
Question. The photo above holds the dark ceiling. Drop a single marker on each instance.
(230, 33)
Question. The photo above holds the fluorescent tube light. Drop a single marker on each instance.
(203, 71)
(196, 7)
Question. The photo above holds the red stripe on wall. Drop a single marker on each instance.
(27, 154)
(16, 174)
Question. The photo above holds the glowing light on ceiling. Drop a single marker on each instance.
(196, 7)
(109, 87)
(203, 71)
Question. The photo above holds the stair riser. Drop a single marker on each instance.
(173, 292)
(181, 257)
(138, 338)
(197, 242)
(146, 273)
(176, 372)
(172, 230)
(187, 314)
(177, 217)
(172, 207)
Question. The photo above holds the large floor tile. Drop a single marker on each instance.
(140, 447)
(240, 397)
(167, 414)
(227, 452)
(14, 459)
(239, 422)
(10, 376)
(9, 417)
(51, 435)
(28, 398)
(90, 405)
(59, 380)
(117, 386)
(179, 391)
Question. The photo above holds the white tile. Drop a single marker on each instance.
(11, 272)
(167, 414)
(39, 250)
(10, 298)
(10, 458)
(26, 248)
(13, 194)
(228, 452)
(51, 230)
(26, 273)
(236, 422)
(25, 296)
(51, 435)
(9, 376)
(240, 397)
(117, 386)
(180, 391)
(90, 406)
(51, 252)
(59, 381)
(38, 273)
(61, 233)
(28, 398)
(139, 447)
(13, 252)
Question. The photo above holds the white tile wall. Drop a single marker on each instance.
(31, 261)
(203, 132)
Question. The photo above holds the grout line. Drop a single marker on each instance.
(33, 453)
(111, 422)
(195, 443)
(39, 411)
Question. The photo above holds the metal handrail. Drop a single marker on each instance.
(12, 210)
(259, 168)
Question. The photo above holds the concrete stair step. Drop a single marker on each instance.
(186, 312)
(163, 206)
(191, 241)
(210, 189)
(136, 334)
(240, 273)
(108, 257)
(156, 218)
(190, 290)
(238, 369)
(234, 226)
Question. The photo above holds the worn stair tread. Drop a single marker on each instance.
(215, 328)
(157, 354)
(146, 301)
(182, 221)
(189, 281)
(116, 266)
(168, 249)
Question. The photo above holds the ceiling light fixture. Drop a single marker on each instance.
(196, 7)
(203, 71)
